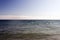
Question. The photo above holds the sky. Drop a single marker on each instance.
(34, 8)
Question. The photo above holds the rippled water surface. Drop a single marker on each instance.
(30, 27)
(26, 26)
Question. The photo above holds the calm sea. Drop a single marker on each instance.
(30, 26)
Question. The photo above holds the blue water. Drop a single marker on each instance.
(30, 26)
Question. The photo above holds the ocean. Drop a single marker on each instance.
(29, 29)
(30, 26)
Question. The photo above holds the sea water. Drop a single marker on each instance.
(30, 26)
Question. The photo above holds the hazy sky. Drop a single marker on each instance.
(41, 8)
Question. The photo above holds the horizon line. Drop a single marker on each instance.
(17, 17)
